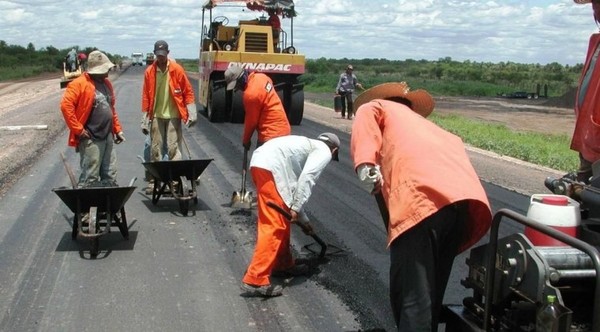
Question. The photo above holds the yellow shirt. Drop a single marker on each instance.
(164, 105)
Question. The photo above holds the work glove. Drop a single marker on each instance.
(192, 115)
(120, 138)
(370, 177)
(145, 123)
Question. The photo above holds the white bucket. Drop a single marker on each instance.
(557, 211)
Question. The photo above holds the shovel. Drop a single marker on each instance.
(307, 230)
(242, 199)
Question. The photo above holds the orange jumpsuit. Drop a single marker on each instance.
(264, 110)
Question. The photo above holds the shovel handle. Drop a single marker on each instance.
(385, 214)
(302, 225)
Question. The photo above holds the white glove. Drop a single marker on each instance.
(369, 176)
(192, 115)
(120, 138)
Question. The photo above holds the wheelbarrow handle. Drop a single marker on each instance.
(302, 225)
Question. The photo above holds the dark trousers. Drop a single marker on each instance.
(347, 98)
(420, 265)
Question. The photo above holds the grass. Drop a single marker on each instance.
(548, 150)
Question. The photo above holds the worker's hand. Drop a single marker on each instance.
(85, 134)
(293, 216)
(247, 145)
(145, 123)
(192, 115)
(120, 138)
(370, 177)
(360, 86)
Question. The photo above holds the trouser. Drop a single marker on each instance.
(272, 251)
(98, 162)
(347, 99)
(420, 265)
(165, 131)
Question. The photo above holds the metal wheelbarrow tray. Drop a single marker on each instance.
(98, 203)
(185, 172)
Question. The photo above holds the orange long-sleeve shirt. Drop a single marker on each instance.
(424, 167)
(264, 110)
(77, 104)
(586, 136)
(180, 89)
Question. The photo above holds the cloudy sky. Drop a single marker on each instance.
(536, 31)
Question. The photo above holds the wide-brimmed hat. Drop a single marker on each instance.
(332, 141)
(420, 100)
(231, 75)
(98, 63)
(581, 2)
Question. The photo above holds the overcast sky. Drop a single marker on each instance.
(537, 31)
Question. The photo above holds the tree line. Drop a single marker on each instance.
(18, 62)
(446, 76)
(441, 77)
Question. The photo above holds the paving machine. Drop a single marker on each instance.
(255, 44)
(511, 277)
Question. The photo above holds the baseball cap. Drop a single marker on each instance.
(161, 48)
(98, 63)
(332, 141)
(231, 75)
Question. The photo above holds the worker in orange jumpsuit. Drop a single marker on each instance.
(434, 200)
(88, 107)
(586, 136)
(284, 170)
(264, 112)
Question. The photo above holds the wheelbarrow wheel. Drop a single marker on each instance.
(122, 223)
(94, 228)
(184, 206)
(75, 227)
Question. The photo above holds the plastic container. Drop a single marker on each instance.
(547, 318)
(557, 211)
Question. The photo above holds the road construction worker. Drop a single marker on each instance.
(72, 60)
(264, 112)
(345, 88)
(435, 204)
(167, 101)
(88, 107)
(284, 171)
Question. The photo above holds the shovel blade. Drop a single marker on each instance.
(241, 200)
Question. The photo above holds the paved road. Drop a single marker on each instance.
(183, 273)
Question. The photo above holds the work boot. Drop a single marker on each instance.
(150, 188)
(262, 291)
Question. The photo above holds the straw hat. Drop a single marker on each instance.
(581, 2)
(420, 100)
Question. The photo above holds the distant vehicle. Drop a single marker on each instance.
(137, 59)
(69, 75)
(149, 59)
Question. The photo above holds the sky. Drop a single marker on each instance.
(534, 31)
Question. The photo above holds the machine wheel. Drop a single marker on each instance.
(215, 103)
(237, 108)
(296, 107)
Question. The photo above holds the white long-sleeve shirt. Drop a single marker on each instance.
(296, 163)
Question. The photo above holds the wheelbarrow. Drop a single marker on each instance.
(95, 209)
(184, 172)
